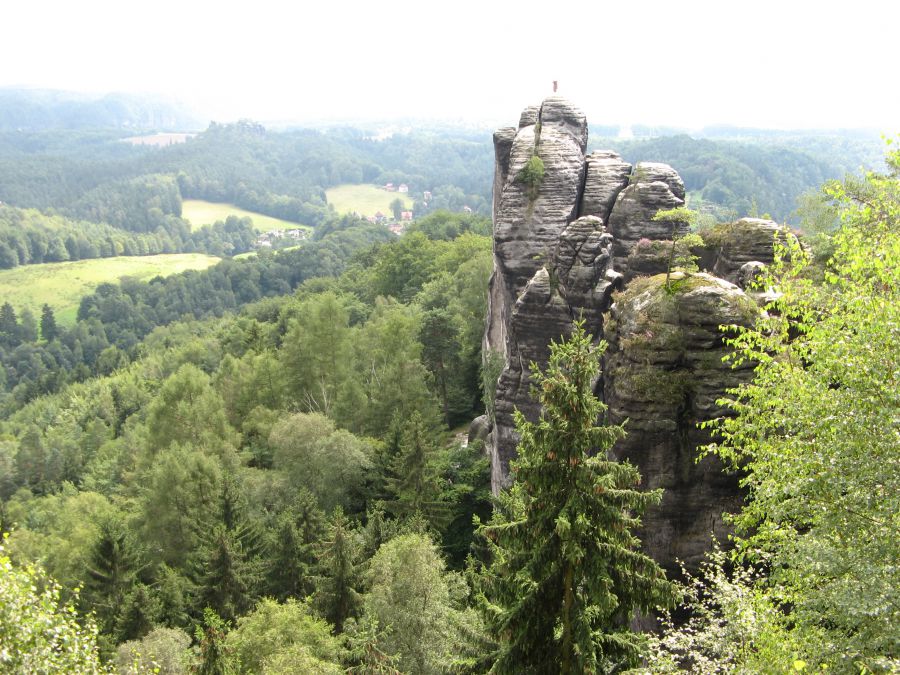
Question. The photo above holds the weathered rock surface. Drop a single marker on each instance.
(479, 429)
(749, 274)
(653, 187)
(540, 315)
(560, 250)
(747, 240)
(607, 175)
(663, 372)
(527, 230)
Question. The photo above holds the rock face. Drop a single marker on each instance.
(663, 373)
(747, 240)
(562, 245)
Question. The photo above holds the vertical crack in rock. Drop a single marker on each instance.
(561, 248)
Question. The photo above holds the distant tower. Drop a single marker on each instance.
(554, 86)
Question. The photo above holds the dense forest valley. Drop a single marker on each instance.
(263, 465)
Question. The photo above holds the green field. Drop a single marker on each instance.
(251, 254)
(364, 199)
(62, 285)
(201, 213)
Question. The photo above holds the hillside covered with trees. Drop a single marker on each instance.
(264, 466)
(277, 486)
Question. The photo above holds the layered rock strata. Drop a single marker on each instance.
(662, 375)
(564, 240)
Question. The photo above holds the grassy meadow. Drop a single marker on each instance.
(364, 199)
(201, 213)
(250, 254)
(62, 285)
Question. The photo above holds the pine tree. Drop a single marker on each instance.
(566, 575)
(337, 594)
(111, 572)
(228, 579)
(9, 326)
(414, 484)
(138, 615)
(49, 329)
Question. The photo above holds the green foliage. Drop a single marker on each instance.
(293, 548)
(214, 655)
(165, 651)
(229, 577)
(188, 411)
(491, 369)
(815, 433)
(414, 483)
(733, 627)
(111, 571)
(680, 256)
(180, 489)
(39, 633)
(330, 463)
(337, 593)
(411, 599)
(316, 352)
(565, 574)
(283, 638)
(532, 175)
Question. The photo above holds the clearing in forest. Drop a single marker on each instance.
(200, 213)
(62, 285)
(365, 200)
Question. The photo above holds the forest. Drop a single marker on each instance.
(264, 467)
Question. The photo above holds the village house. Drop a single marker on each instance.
(268, 239)
(403, 188)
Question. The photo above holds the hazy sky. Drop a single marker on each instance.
(756, 63)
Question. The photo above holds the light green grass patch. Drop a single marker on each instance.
(62, 285)
(201, 213)
(251, 254)
(366, 200)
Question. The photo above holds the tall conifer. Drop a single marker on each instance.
(566, 574)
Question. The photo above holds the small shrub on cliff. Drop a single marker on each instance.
(532, 175)
(680, 255)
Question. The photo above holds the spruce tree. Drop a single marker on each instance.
(228, 579)
(49, 329)
(9, 326)
(414, 485)
(336, 594)
(111, 570)
(566, 575)
(295, 538)
(213, 654)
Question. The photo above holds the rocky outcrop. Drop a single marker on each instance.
(663, 373)
(744, 241)
(607, 174)
(654, 187)
(526, 309)
(562, 245)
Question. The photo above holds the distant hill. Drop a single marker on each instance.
(43, 109)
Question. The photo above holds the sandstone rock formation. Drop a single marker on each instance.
(747, 240)
(663, 373)
(562, 245)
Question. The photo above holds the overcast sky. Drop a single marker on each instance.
(753, 63)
